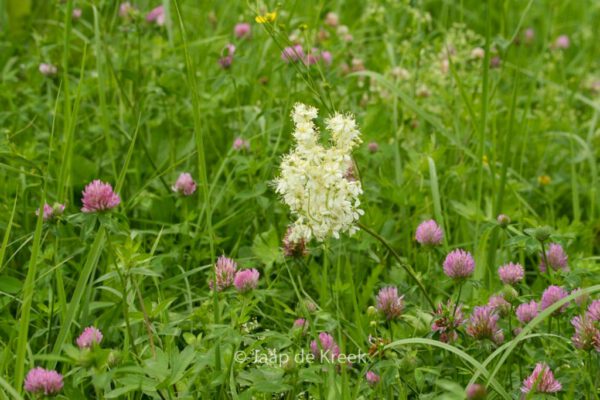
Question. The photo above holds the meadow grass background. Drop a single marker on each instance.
(135, 104)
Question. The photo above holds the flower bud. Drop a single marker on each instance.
(372, 312)
(503, 220)
(509, 293)
(542, 233)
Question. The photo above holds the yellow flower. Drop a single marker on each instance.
(485, 160)
(267, 18)
(544, 180)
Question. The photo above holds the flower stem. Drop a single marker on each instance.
(548, 267)
(406, 267)
(457, 300)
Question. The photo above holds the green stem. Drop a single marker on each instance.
(545, 257)
(406, 267)
(457, 300)
(125, 302)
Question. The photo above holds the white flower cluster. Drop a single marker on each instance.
(317, 182)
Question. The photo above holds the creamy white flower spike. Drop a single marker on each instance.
(314, 180)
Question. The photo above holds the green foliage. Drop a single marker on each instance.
(461, 135)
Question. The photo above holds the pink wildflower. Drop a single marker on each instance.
(126, 10)
(49, 212)
(326, 348)
(429, 233)
(499, 304)
(47, 69)
(484, 325)
(541, 381)
(553, 294)
(332, 19)
(99, 196)
(562, 42)
(476, 391)
(42, 381)
(511, 273)
(389, 303)
(586, 333)
(292, 53)
(593, 310)
(446, 321)
(241, 144)
(156, 15)
(372, 378)
(459, 264)
(89, 337)
(242, 30)
(557, 258)
(373, 147)
(225, 270)
(184, 185)
(527, 311)
(246, 280)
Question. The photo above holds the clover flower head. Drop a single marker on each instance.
(246, 280)
(551, 295)
(476, 391)
(593, 310)
(90, 336)
(503, 220)
(42, 381)
(446, 320)
(301, 323)
(586, 333)
(562, 42)
(541, 380)
(49, 212)
(332, 19)
(557, 258)
(126, 10)
(47, 69)
(429, 233)
(484, 325)
(389, 303)
(511, 273)
(225, 270)
(185, 184)
(292, 53)
(529, 35)
(372, 378)
(156, 15)
(99, 196)
(527, 311)
(373, 147)
(325, 348)
(241, 144)
(242, 30)
(459, 264)
(499, 304)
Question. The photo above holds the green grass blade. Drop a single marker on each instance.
(121, 178)
(7, 234)
(11, 390)
(464, 356)
(435, 195)
(28, 290)
(84, 277)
